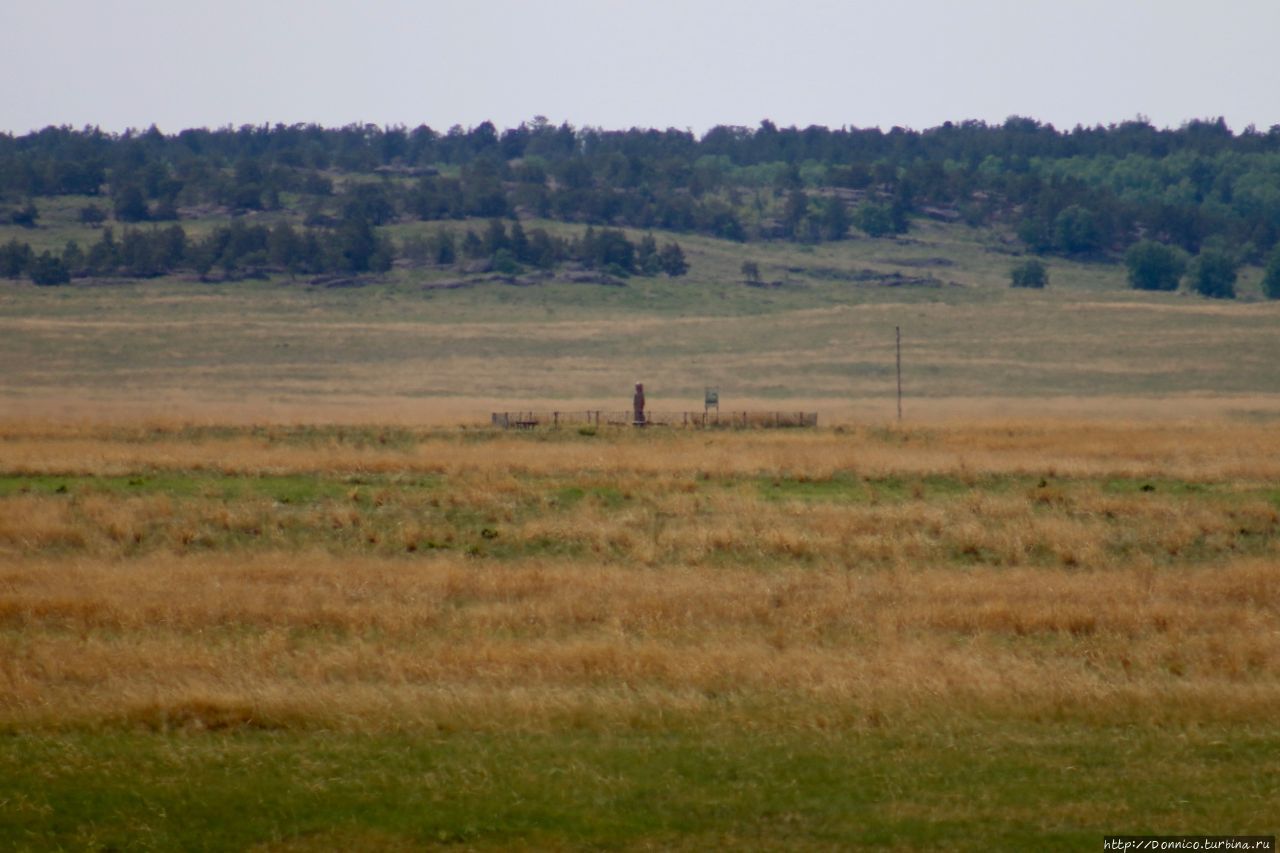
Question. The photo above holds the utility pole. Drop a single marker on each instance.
(897, 334)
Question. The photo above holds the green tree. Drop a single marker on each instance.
(1154, 266)
(1271, 277)
(673, 261)
(370, 202)
(362, 249)
(495, 237)
(73, 257)
(1075, 231)
(546, 251)
(519, 244)
(171, 246)
(437, 198)
(26, 215)
(472, 246)
(876, 220)
(92, 215)
(284, 247)
(1034, 232)
(245, 191)
(312, 253)
(14, 258)
(1029, 274)
(614, 252)
(504, 261)
(104, 255)
(48, 269)
(647, 256)
(130, 204)
(141, 254)
(795, 212)
(444, 247)
(1213, 274)
(835, 219)
(483, 192)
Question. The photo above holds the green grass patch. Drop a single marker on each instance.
(842, 488)
(147, 483)
(951, 784)
(567, 497)
(296, 489)
(850, 488)
(411, 512)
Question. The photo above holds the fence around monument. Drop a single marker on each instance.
(700, 420)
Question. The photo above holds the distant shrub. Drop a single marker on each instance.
(875, 220)
(1271, 278)
(47, 269)
(1029, 274)
(672, 259)
(130, 204)
(15, 257)
(1213, 274)
(1075, 231)
(504, 262)
(92, 215)
(1154, 266)
(25, 216)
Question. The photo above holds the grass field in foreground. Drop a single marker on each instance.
(1012, 635)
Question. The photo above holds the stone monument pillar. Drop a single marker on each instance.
(637, 405)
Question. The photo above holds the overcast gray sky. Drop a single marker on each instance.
(616, 64)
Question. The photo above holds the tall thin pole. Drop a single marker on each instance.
(897, 334)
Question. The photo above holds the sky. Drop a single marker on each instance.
(645, 63)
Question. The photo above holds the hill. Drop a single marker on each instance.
(421, 342)
(327, 271)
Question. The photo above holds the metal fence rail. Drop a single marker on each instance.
(700, 420)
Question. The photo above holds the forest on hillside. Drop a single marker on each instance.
(1198, 197)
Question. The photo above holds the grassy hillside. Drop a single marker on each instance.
(819, 333)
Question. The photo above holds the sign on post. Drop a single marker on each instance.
(712, 400)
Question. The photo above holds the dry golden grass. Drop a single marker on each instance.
(782, 579)
(1218, 450)
(287, 639)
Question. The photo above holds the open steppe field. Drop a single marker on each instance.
(1017, 634)
(268, 580)
(406, 349)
